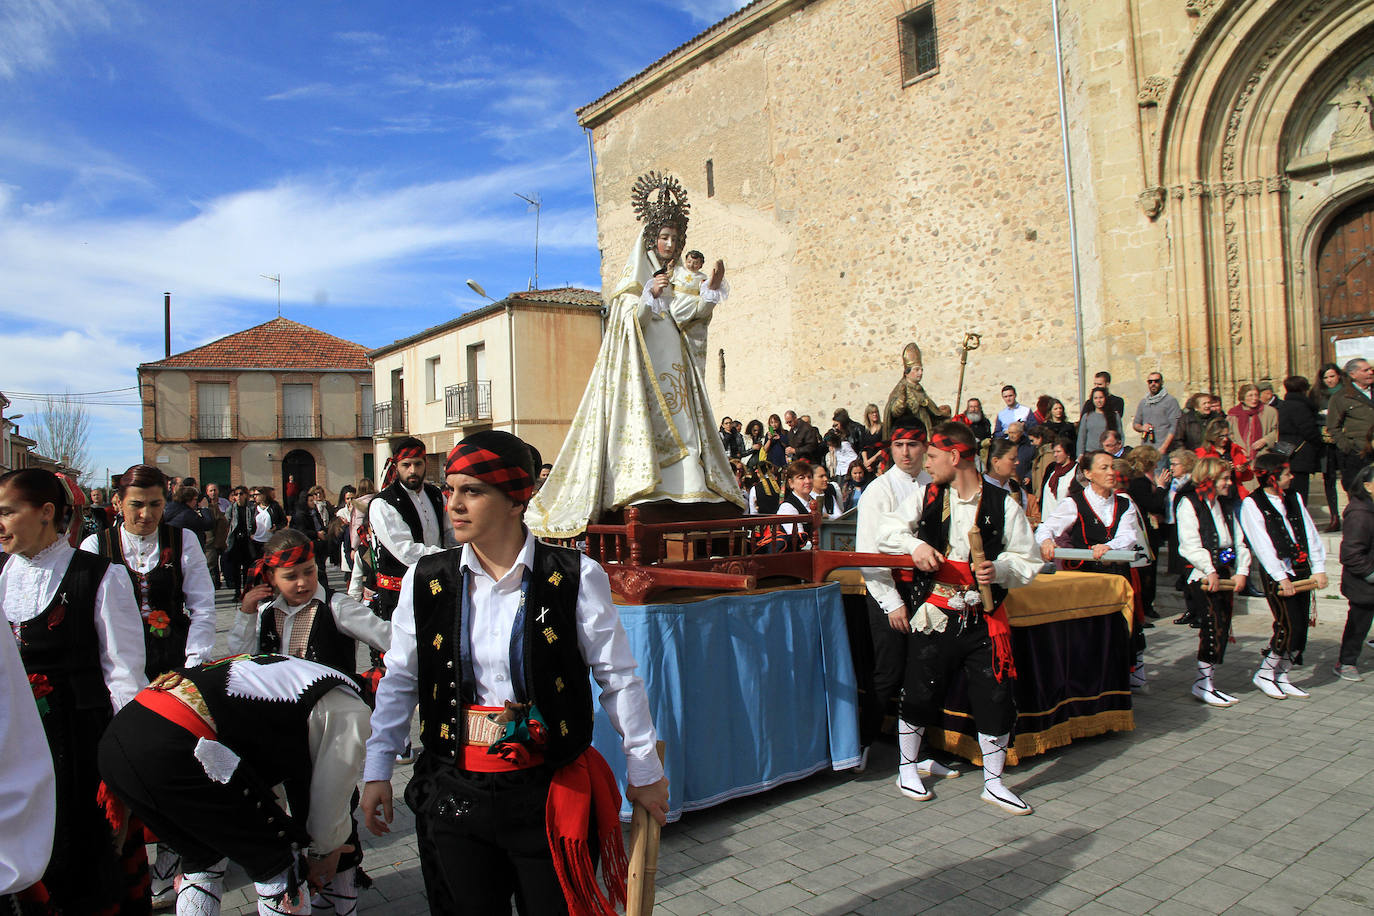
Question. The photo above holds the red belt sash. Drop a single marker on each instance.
(960, 575)
(173, 710)
(476, 758)
(390, 583)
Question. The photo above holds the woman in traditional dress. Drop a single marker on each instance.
(80, 638)
(166, 567)
(645, 431)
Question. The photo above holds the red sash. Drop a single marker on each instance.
(960, 575)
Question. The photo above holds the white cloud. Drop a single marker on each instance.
(352, 239)
(30, 28)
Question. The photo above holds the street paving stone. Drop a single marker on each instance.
(1263, 808)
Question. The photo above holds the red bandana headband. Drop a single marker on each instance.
(1207, 489)
(909, 433)
(947, 444)
(389, 469)
(489, 467)
(287, 556)
(1272, 476)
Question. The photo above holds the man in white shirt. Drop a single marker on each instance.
(494, 641)
(1287, 548)
(407, 521)
(957, 618)
(887, 613)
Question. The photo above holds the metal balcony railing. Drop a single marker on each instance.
(298, 426)
(467, 402)
(214, 426)
(389, 419)
(366, 423)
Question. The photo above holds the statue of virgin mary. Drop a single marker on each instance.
(644, 431)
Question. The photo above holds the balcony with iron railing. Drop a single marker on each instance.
(299, 426)
(367, 422)
(214, 426)
(389, 419)
(467, 402)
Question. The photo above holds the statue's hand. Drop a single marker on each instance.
(717, 275)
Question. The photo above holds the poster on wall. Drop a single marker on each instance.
(1353, 348)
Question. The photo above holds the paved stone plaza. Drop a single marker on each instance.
(1266, 807)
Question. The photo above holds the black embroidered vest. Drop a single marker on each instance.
(326, 645)
(933, 529)
(1207, 529)
(271, 734)
(556, 677)
(160, 589)
(1285, 545)
(396, 497)
(62, 643)
(1089, 531)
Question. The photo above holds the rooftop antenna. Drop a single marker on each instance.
(536, 202)
(275, 278)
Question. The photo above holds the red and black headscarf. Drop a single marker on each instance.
(412, 449)
(1269, 468)
(294, 555)
(947, 443)
(497, 458)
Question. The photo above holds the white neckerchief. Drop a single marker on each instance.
(27, 585)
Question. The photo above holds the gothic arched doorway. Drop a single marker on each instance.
(1345, 283)
(297, 466)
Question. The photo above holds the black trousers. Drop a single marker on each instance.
(150, 763)
(889, 671)
(1290, 620)
(234, 563)
(1212, 611)
(1357, 621)
(482, 840)
(933, 659)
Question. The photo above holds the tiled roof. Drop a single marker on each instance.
(565, 295)
(562, 295)
(276, 344)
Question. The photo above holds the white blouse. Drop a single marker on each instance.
(27, 587)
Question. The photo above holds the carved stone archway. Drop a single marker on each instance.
(1241, 253)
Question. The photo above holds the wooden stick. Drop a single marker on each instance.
(644, 835)
(976, 557)
(1299, 585)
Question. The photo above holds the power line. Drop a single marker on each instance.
(67, 394)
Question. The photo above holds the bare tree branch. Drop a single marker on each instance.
(64, 433)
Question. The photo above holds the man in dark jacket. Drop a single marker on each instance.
(803, 440)
(1357, 572)
(181, 512)
(1299, 430)
(1349, 417)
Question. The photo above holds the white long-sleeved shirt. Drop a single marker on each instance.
(605, 649)
(1252, 521)
(1055, 526)
(1053, 496)
(394, 534)
(880, 497)
(338, 729)
(1017, 565)
(141, 555)
(28, 586)
(27, 788)
(1190, 540)
(352, 619)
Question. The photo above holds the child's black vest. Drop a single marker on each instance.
(1207, 530)
(1292, 548)
(326, 644)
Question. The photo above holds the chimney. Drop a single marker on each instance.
(167, 320)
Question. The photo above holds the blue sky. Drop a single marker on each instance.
(368, 153)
